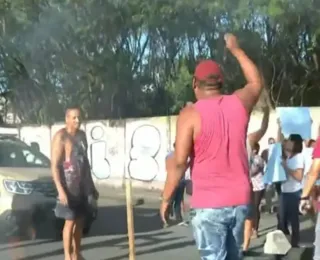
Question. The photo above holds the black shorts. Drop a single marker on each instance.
(250, 213)
(71, 212)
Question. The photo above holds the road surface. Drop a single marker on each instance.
(108, 241)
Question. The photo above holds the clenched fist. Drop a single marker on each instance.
(231, 41)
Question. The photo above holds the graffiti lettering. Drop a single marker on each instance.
(97, 153)
(145, 145)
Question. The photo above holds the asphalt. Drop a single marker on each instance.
(138, 194)
(108, 237)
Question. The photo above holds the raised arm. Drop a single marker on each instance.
(250, 94)
(255, 137)
(280, 137)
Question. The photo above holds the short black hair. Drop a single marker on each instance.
(298, 143)
(72, 107)
(311, 142)
(211, 82)
(256, 146)
(271, 139)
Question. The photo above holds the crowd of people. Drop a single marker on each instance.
(297, 159)
(227, 167)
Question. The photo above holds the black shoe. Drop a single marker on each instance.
(286, 232)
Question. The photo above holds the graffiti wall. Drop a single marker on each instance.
(117, 149)
(106, 149)
(147, 147)
(132, 147)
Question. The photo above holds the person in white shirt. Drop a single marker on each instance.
(293, 164)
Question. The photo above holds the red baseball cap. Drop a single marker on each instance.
(208, 70)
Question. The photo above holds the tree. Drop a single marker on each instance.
(136, 58)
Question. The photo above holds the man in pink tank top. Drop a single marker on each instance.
(213, 133)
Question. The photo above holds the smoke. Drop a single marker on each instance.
(33, 50)
(40, 40)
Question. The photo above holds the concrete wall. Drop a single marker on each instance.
(134, 147)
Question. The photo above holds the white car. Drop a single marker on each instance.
(27, 191)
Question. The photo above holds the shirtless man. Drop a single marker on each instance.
(71, 174)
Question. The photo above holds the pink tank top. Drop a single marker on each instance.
(219, 167)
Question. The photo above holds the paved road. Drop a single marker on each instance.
(108, 240)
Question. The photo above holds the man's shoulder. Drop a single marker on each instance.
(187, 116)
(187, 110)
(59, 134)
(81, 133)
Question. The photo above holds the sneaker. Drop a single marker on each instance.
(165, 225)
(183, 223)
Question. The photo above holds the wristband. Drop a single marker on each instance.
(304, 198)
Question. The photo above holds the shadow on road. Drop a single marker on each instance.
(175, 245)
(121, 243)
(111, 227)
(111, 220)
(302, 253)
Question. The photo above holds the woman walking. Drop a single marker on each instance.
(256, 173)
(258, 189)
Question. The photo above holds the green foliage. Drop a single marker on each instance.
(180, 89)
(136, 58)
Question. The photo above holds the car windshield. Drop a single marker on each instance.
(15, 153)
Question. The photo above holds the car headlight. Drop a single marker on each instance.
(18, 187)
